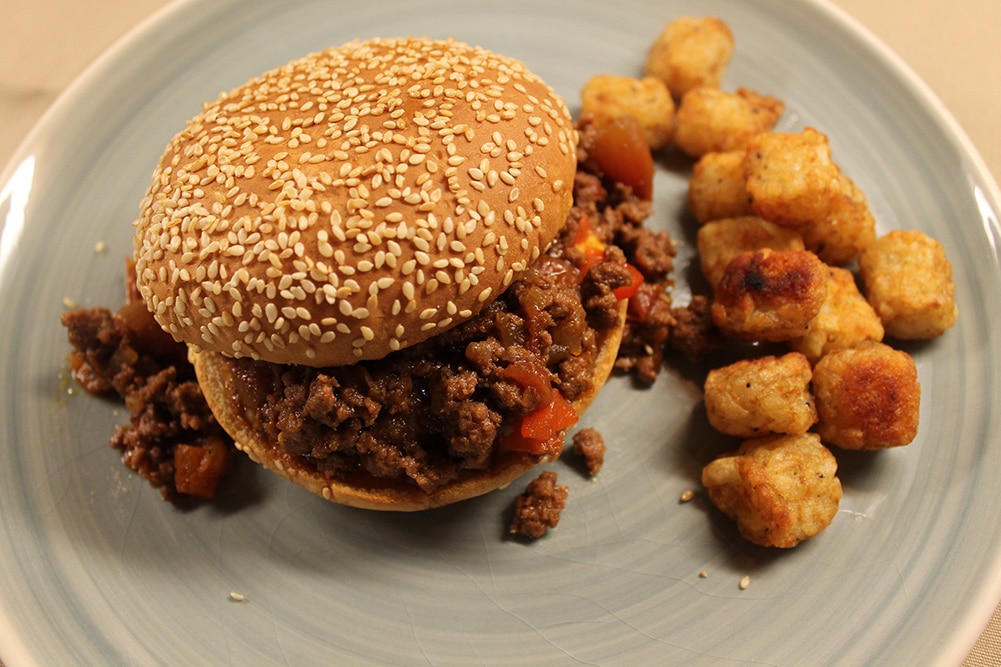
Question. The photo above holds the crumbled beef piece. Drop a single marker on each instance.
(576, 377)
(623, 207)
(694, 334)
(588, 191)
(597, 291)
(650, 252)
(648, 328)
(589, 444)
(127, 354)
(95, 337)
(538, 508)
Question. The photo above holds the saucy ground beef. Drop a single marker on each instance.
(694, 334)
(172, 439)
(618, 217)
(457, 401)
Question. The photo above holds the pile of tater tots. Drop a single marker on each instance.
(800, 283)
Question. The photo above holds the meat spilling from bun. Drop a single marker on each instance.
(453, 417)
(372, 255)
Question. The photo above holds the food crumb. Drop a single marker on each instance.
(703, 574)
(589, 444)
(745, 582)
(100, 247)
(68, 302)
(687, 496)
(236, 597)
(538, 508)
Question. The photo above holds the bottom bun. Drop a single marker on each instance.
(216, 377)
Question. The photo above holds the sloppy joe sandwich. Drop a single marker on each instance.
(372, 256)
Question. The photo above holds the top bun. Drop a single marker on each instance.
(354, 202)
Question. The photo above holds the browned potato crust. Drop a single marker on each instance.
(868, 397)
(719, 241)
(607, 97)
(770, 295)
(711, 120)
(690, 52)
(716, 187)
(845, 319)
(908, 281)
(757, 397)
(780, 489)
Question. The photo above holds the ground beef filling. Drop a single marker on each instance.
(454, 403)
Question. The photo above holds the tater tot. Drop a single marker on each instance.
(606, 97)
(779, 489)
(848, 229)
(791, 178)
(908, 280)
(711, 120)
(690, 52)
(845, 319)
(770, 295)
(763, 396)
(716, 187)
(719, 241)
(868, 397)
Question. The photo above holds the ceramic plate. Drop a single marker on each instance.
(95, 569)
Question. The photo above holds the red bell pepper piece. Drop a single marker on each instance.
(541, 431)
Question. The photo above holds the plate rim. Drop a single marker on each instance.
(977, 612)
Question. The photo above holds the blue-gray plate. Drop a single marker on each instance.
(95, 569)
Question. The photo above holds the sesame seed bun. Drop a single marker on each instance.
(354, 202)
(215, 377)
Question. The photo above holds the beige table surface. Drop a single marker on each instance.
(953, 47)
